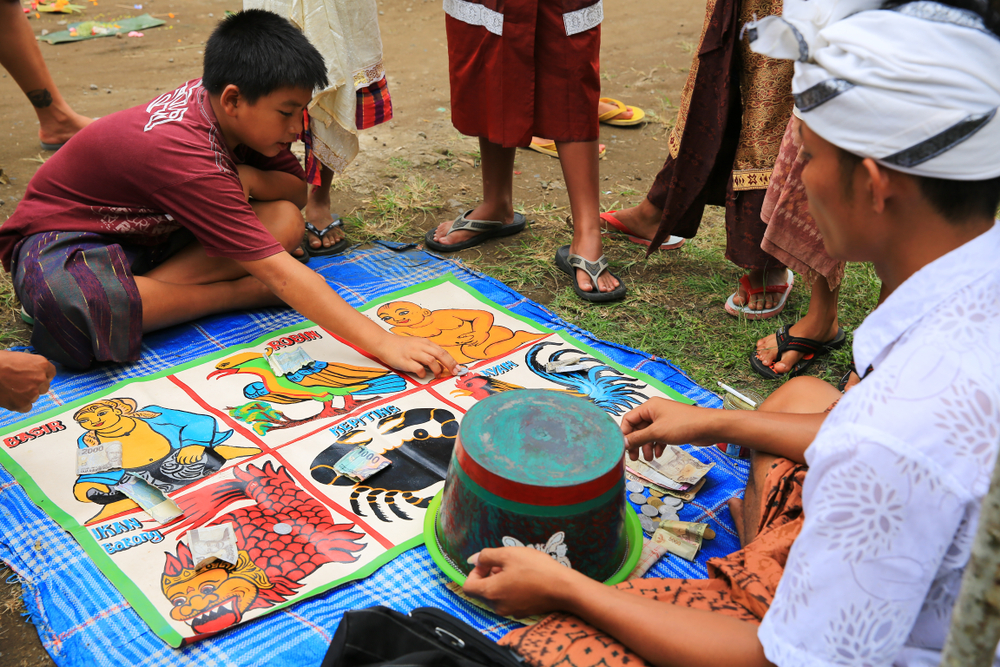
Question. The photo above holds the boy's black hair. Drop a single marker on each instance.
(955, 201)
(259, 52)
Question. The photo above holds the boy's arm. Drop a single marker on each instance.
(272, 185)
(307, 292)
(666, 422)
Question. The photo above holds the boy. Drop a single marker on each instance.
(142, 222)
(858, 561)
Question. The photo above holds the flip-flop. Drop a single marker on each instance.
(670, 243)
(335, 249)
(638, 115)
(26, 318)
(304, 257)
(486, 230)
(549, 148)
(812, 350)
(568, 263)
(784, 290)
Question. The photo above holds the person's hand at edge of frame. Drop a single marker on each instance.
(23, 378)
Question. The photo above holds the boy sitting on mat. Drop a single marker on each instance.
(142, 221)
(857, 559)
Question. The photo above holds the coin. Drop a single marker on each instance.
(656, 493)
(461, 370)
(649, 510)
(637, 498)
(674, 503)
(668, 514)
(648, 525)
(634, 487)
(282, 528)
(655, 502)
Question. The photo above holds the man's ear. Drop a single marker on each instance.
(877, 183)
(230, 99)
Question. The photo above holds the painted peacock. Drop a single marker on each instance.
(320, 381)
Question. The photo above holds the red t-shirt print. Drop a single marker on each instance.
(145, 172)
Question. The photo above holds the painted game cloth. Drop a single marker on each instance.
(792, 236)
(346, 34)
(725, 155)
(741, 585)
(524, 67)
(83, 620)
(79, 287)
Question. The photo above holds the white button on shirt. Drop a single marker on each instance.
(897, 474)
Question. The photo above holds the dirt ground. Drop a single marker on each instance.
(644, 59)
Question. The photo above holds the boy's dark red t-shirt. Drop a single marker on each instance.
(145, 172)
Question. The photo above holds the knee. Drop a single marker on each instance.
(285, 223)
(802, 395)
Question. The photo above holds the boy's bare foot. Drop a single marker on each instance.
(642, 220)
(482, 212)
(763, 300)
(590, 249)
(57, 126)
(807, 327)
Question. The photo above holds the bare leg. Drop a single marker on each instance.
(820, 323)
(579, 167)
(642, 220)
(801, 395)
(498, 191)
(318, 211)
(20, 55)
(191, 284)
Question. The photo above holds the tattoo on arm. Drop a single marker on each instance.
(40, 98)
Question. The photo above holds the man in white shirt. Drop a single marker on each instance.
(900, 123)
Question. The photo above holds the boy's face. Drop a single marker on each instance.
(273, 122)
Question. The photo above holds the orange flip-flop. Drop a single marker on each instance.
(669, 243)
(549, 148)
(638, 115)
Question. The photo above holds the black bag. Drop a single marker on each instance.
(426, 637)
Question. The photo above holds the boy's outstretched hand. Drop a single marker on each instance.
(520, 581)
(416, 355)
(23, 378)
(660, 422)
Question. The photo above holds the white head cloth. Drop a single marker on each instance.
(917, 88)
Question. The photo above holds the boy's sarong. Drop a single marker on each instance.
(534, 79)
(792, 236)
(80, 289)
(733, 111)
(741, 585)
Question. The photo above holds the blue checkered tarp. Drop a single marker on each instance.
(83, 620)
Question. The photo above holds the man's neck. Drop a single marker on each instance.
(222, 119)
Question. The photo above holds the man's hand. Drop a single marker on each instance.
(660, 422)
(415, 355)
(23, 378)
(520, 581)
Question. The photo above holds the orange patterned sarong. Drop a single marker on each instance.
(741, 585)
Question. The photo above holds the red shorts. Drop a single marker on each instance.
(533, 80)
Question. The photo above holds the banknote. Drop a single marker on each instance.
(360, 463)
(283, 362)
(651, 552)
(212, 543)
(679, 467)
(688, 529)
(686, 547)
(99, 458)
(150, 499)
(654, 488)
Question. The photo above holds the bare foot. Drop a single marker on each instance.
(604, 107)
(764, 300)
(590, 249)
(807, 327)
(59, 127)
(642, 220)
(318, 213)
(736, 509)
(481, 212)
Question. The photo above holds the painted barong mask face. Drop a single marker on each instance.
(916, 88)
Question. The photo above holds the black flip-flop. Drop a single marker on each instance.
(485, 230)
(812, 349)
(304, 257)
(568, 263)
(325, 251)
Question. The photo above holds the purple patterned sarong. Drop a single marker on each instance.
(80, 289)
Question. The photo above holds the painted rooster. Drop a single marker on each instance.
(480, 386)
(604, 386)
(317, 381)
(271, 564)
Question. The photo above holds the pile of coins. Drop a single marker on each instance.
(657, 507)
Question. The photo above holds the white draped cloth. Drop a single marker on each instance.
(916, 88)
(346, 34)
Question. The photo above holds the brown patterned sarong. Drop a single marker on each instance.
(741, 585)
(733, 110)
(792, 236)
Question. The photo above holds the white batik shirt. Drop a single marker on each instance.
(897, 474)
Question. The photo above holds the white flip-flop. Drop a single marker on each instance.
(784, 289)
